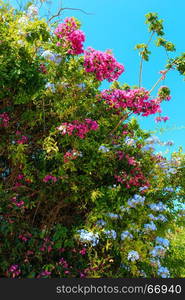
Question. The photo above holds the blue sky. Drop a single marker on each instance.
(119, 25)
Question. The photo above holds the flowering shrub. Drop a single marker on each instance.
(82, 192)
(70, 36)
(136, 101)
(102, 64)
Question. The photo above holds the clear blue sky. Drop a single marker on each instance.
(119, 25)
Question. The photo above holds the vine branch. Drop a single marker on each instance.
(141, 62)
(68, 8)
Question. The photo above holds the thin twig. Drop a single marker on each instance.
(36, 212)
(120, 121)
(65, 8)
(141, 62)
(161, 78)
(140, 71)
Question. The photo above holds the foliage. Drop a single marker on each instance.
(82, 192)
(175, 259)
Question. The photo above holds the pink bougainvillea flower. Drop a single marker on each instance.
(17, 203)
(137, 100)
(4, 120)
(29, 252)
(71, 37)
(78, 128)
(64, 263)
(23, 140)
(102, 64)
(23, 238)
(20, 176)
(83, 251)
(44, 273)
(160, 119)
(49, 178)
(14, 270)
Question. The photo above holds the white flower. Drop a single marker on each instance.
(133, 255)
(163, 272)
(23, 20)
(162, 241)
(137, 199)
(172, 171)
(126, 234)
(123, 209)
(111, 234)
(152, 217)
(158, 251)
(62, 128)
(49, 55)
(168, 189)
(113, 216)
(161, 218)
(50, 86)
(153, 140)
(129, 141)
(103, 149)
(150, 226)
(20, 42)
(101, 222)
(33, 10)
(158, 206)
(88, 236)
(169, 143)
(143, 188)
(155, 262)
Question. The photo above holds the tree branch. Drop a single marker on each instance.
(141, 62)
(65, 8)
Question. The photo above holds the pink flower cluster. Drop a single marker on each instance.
(49, 178)
(14, 270)
(160, 119)
(20, 176)
(83, 251)
(78, 128)
(102, 64)
(136, 100)
(47, 245)
(44, 274)
(70, 36)
(71, 155)
(130, 159)
(23, 139)
(4, 120)
(134, 178)
(63, 263)
(25, 237)
(17, 203)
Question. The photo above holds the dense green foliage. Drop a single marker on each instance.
(99, 177)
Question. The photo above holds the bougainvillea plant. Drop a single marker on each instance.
(83, 193)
